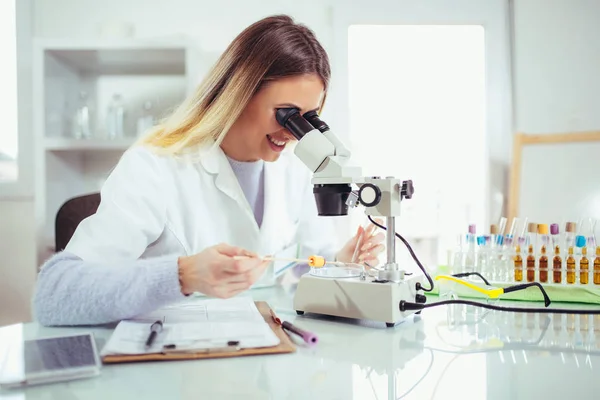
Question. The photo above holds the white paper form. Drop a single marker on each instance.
(195, 324)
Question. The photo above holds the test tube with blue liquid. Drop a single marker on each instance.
(584, 262)
(482, 256)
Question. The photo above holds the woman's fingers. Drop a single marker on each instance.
(372, 253)
(373, 241)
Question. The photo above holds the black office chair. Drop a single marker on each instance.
(70, 215)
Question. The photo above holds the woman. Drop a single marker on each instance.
(196, 192)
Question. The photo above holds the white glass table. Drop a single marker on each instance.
(446, 353)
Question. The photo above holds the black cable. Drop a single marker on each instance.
(509, 289)
(466, 274)
(408, 306)
(522, 286)
(412, 253)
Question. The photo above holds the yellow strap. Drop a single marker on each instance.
(492, 292)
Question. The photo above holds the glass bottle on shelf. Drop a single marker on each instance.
(115, 118)
(146, 119)
(81, 124)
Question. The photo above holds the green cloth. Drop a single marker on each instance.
(574, 293)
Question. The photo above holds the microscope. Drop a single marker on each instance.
(364, 297)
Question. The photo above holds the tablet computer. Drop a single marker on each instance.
(52, 359)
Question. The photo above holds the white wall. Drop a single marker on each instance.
(557, 65)
(214, 24)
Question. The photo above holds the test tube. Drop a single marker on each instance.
(570, 234)
(524, 227)
(493, 252)
(501, 226)
(506, 258)
(494, 234)
(458, 263)
(513, 228)
(591, 238)
(579, 238)
(470, 254)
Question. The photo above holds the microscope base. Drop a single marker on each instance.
(355, 298)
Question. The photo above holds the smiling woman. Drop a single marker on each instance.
(8, 94)
(210, 183)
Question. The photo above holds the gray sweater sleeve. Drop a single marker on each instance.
(71, 291)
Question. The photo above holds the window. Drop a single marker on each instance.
(8, 94)
(417, 96)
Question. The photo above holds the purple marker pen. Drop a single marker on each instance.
(308, 337)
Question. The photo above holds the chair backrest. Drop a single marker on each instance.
(70, 214)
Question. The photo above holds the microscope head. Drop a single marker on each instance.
(325, 156)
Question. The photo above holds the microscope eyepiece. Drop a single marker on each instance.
(331, 198)
(291, 119)
(315, 121)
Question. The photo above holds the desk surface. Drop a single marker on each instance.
(446, 353)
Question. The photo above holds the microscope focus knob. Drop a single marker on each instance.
(407, 189)
(369, 195)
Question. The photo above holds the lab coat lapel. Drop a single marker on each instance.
(215, 162)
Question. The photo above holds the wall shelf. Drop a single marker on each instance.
(123, 57)
(68, 72)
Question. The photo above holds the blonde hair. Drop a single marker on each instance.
(272, 48)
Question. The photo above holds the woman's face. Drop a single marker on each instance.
(257, 135)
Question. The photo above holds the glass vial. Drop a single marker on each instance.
(584, 267)
(530, 264)
(543, 263)
(570, 267)
(115, 117)
(597, 267)
(543, 266)
(531, 243)
(519, 265)
(557, 265)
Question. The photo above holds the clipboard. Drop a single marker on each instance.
(286, 345)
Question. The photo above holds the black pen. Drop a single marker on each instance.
(155, 329)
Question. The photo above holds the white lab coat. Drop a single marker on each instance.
(154, 206)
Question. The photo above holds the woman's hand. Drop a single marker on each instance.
(370, 246)
(214, 272)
